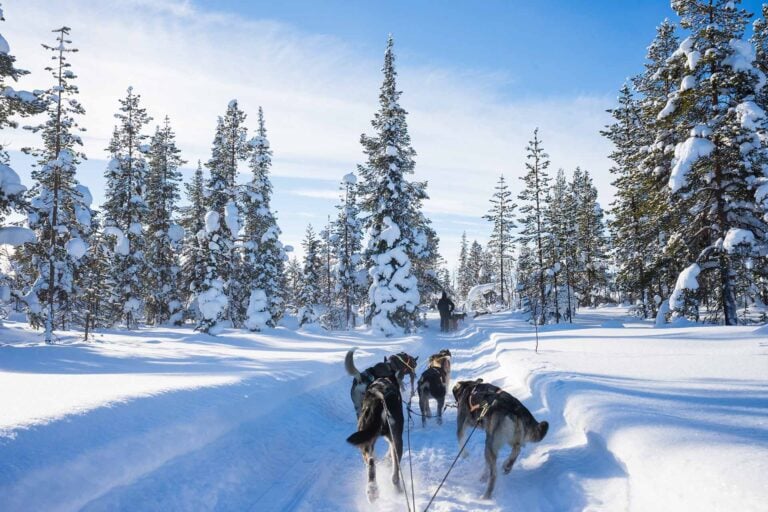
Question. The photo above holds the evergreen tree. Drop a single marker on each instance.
(347, 238)
(310, 294)
(477, 273)
(164, 236)
(60, 207)
(464, 279)
(293, 280)
(717, 169)
(125, 208)
(218, 299)
(192, 220)
(502, 215)
(534, 195)
(396, 228)
(591, 264)
(263, 253)
(11, 190)
(95, 273)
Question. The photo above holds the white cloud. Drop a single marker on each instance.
(318, 92)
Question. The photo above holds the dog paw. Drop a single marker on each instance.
(507, 468)
(486, 496)
(373, 493)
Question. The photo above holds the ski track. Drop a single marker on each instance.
(281, 445)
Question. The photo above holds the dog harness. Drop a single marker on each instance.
(405, 363)
(378, 371)
(483, 396)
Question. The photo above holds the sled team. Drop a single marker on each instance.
(378, 404)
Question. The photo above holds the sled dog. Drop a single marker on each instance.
(503, 417)
(381, 415)
(361, 380)
(404, 364)
(433, 383)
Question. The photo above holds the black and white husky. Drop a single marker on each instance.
(381, 415)
(433, 383)
(503, 417)
(361, 380)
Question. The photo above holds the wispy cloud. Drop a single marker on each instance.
(318, 92)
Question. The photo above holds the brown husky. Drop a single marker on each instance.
(503, 417)
(404, 364)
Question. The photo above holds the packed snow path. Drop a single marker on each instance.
(164, 419)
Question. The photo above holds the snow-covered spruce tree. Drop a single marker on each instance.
(534, 194)
(164, 236)
(718, 168)
(293, 278)
(591, 265)
(125, 209)
(94, 305)
(476, 262)
(656, 85)
(263, 253)
(192, 219)
(310, 294)
(392, 204)
(502, 216)
(328, 257)
(218, 300)
(12, 103)
(463, 278)
(559, 221)
(347, 237)
(760, 40)
(60, 210)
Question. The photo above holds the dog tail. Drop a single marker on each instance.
(541, 430)
(370, 422)
(349, 364)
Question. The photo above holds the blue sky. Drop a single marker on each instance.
(477, 78)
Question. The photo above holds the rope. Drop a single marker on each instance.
(413, 369)
(410, 462)
(399, 469)
(485, 410)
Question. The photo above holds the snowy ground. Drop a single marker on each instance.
(167, 419)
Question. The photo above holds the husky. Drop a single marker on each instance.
(381, 415)
(503, 417)
(433, 383)
(361, 380)
(404, 364)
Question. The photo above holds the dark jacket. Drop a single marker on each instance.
(445, 306)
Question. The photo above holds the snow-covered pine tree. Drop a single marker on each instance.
(502, 216)
(760, 40)
(125, 208)
(656, 85)
(717, 169)
(263, 253)
(218, 298)
(310, 293)
(347, 238)
(12, 103)
(591, 265)
(534, 195)
(476, 263)
(60, 210)
(94, 305)
(555, 248)
(630, 227)
(328, 257)
(463, 278)
(192, 219)
(164, 236)
(394, 221)
(293, 279)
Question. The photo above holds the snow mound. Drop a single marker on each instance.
(211, 222)
(687, 154)
(10, 183)
(76, 248)
(735, 237)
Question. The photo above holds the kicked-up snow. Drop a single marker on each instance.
(641, 419)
